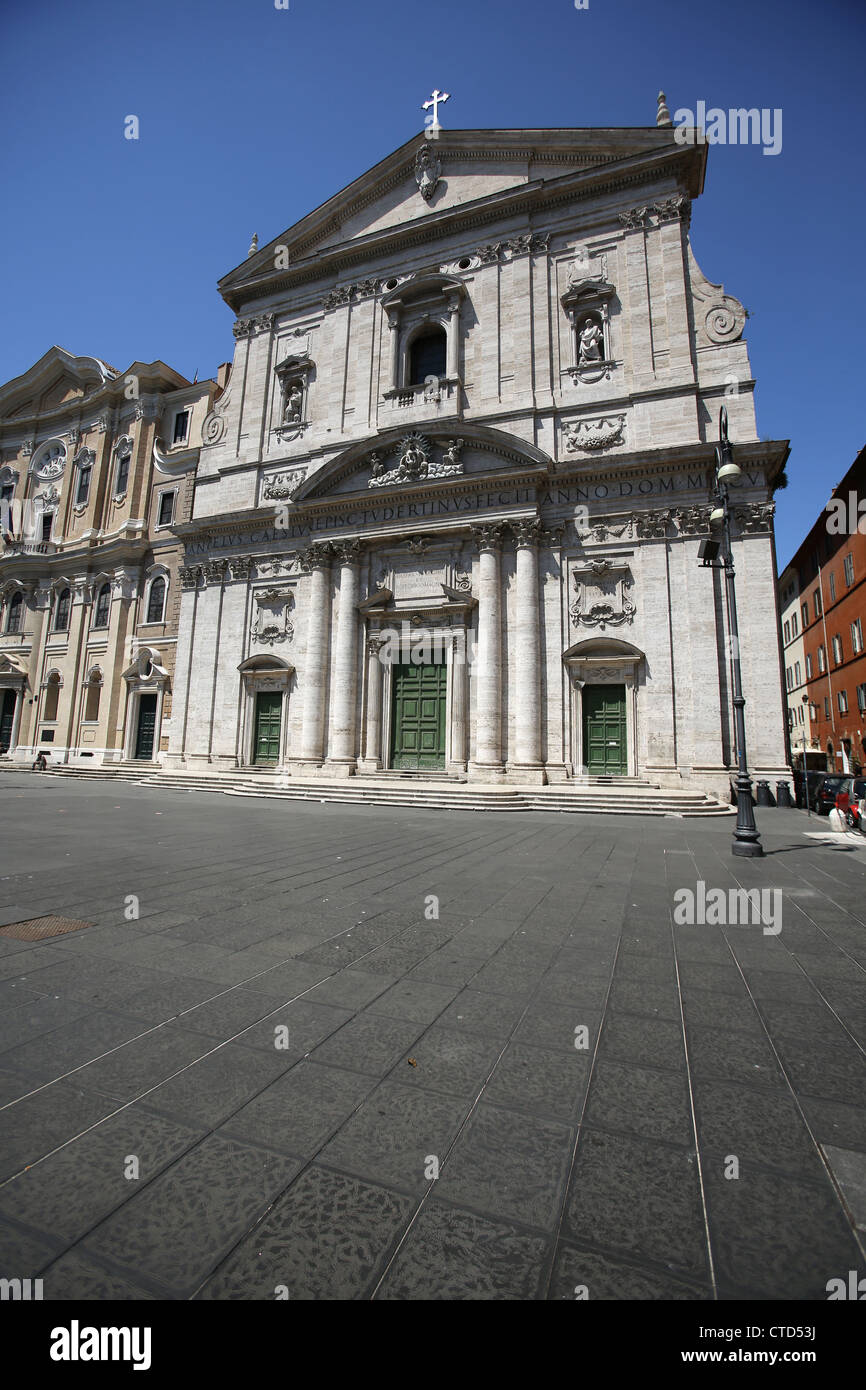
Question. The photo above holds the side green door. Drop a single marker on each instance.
(418, 717)
(268, 711)
(604, 732)
(7, 718)
(146, 727)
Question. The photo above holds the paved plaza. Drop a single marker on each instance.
(340, 1052)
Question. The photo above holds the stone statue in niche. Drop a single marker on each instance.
(591, 343)
(294, 404)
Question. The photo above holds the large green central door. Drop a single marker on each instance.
(604, 732)
(418, 723)
(268, 717)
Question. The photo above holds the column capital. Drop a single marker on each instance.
(528, 531)
(489, 537)
(316, 556)
(347, 552)
(531, 531)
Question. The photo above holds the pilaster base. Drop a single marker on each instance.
(529, 774)
(557, 773)
(339, 767)
(486, 772)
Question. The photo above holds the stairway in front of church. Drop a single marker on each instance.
(620, 797)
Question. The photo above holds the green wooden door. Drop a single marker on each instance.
(604, 734)
(418, 718)
(146, 727)
(268, 718)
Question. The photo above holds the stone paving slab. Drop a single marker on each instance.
(284, 1072)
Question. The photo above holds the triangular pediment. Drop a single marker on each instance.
(406, 459)
(459, 173)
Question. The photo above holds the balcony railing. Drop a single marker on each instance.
(30, 548)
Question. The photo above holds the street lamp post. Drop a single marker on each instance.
(747, 842)
(806, 721)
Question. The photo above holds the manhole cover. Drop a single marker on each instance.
(38, 927)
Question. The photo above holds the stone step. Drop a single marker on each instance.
(455, 797)
(624, 798)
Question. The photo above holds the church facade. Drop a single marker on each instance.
(448, 510)
(97, 466)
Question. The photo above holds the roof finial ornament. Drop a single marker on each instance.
(663, 115)
(254, 245)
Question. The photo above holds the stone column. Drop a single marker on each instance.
(78, 624)
(373, 741)
(341, 740)
(526, 762)
(453, 359)
(316, 562)
(459, 701)
(487, 765)
(393, 348)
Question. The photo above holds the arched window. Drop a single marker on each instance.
(427, 356)
(15, 613)
(156, 600)
(52, 695)
(61, 611)
(103, 606)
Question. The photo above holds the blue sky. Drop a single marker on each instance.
(250, 116)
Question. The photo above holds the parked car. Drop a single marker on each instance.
(824, 793)
(848, 797)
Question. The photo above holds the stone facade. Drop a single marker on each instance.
(447, 513)
(96, 469)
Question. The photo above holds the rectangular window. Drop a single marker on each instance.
(166, 509)
(849, 569)
(805, 613)
(794, 628)
(861, 698)
(826, 707)
(808, 668)
(842, 698)
(833, 588)
(122, 475)
(837, 649)
(787, 631)
(47, 518)
(83, 490)
(822, 659)
(788, 678)
(819, 607)
(797, 676)
(857, 636)
(181, 427)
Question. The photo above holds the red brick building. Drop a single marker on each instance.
(831, 564)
